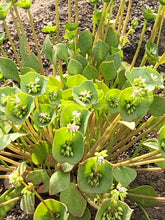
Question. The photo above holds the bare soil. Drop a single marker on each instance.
(44, 12)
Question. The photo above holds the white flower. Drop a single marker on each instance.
(37, 79)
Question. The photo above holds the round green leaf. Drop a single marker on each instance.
(85, 94)
(144, 191)
(59, 182)
(111, 98)
(154, 110)
(107, 68)
(19, 107)
(100, 51)
(75, 80)
(86, 216)
(57, 208)
(74, 67)
(74, 200)
(82, 60)
(54, 95)
(64, 137)
(44, 115)
(85, 41)
(60, 51)
(33, 83)
(124, 175)
(85, 170)
(5, 93)
(90, 72)
(54, 82)
(74, 113)
(39, 178)
(111, 207)
(133, 106)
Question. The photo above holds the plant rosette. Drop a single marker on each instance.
(112, 98)
(74, 114)
(33, 84)
(44, 115)
(19, 107)
(95, 175)
(68, 146)
(85, 94)
(5, 94)
(54, 95)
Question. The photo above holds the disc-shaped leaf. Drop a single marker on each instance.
(124, 175)
(74, 113)
(76, 205)
(47, 48)
(74, 67)
(54, 95)
(40, 151)
(60, 51)
(44, 115)
(111, 98)
(85, 94)
(86, 216)
(19, 107)
(39, 178)
(104, 173)
(113, 38)
(144, 191)
(58, 209)
(141, 74)
(90, 72)
(5, 93)
(9, 69)
(109, 208)
(59, 182)
(75, 80)
(32, 62)
(85, 41)
(33, 83)
(82, 60)
(154, 110)
(116, 58)
(108, 70)
(68, 147)
(54, 81)
(100, 51)
(132, 107)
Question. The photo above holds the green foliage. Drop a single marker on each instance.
(92, 106)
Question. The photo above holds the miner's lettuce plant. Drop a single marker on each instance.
(65, 134)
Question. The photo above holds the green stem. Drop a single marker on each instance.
(139, 45)
(145, 213)
(121, 16)
(76, 11)
(12, 44)
(53, 38)
(161, 25)
(35, 40)
(57, 21)
(15, 23)
(127, 17)
(110, 6)
(118, 14)
(10, 201)
(146, 162)
(69, 12)
(4, 53)
(147, 197)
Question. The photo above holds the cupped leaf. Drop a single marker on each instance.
(40, 179)
(40, 152)
(57, 208)
(112, 98)
(124, 175)
(86, 216)
(44, 115)
(154, 110)
(9, 69)
(94, 177)
(75, 80)
(68, 146)
(66, 167)
(49, 28)
(152, 52)
(148, 12)
(139, 76)
(19, 107)
(6, 139)
(85, 94)
(161, 140)
(82, 60)
(75, 206)
(116, 58)
(74, 67)
(112, 209)
(59, 182)
(90, 72)
(75, 115)
(156, 77)
(47, 48)
(71, 26)
(133, 106)
(108, 70)
(54, 95)
(33, 83)
(144, 191)
(4, 8)
(24, 4)
(54, 82)
(85, 42)
(5, 93)
(60, 51)
(100, 51)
